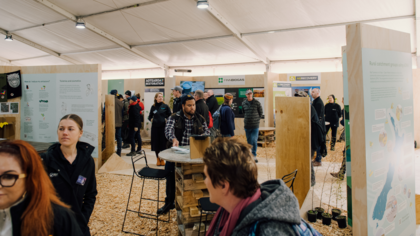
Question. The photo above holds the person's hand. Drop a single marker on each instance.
(136, 129)
(175, 143)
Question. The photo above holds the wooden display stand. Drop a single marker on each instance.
(109, 127)
(365, 42)
(190, 187)
(198, 147)
(266, 136)
(293, 142)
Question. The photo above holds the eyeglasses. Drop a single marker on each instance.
(9, 180)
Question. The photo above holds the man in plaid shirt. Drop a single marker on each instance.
(179, 127)
(189, 117)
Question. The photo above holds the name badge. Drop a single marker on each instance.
(154, 112)
(81, 180)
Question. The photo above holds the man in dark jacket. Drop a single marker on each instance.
(177, 106)
(178, 129)
(118, 120)
(134, 124)
(201, 106)
(253, 113)
(212, 102)
(246, 207)
(67, 186)
(320, 110)
(124, 130)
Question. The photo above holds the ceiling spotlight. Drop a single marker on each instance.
(202, 4)
(8, 37)
(80, 24)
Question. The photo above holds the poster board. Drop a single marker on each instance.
(381, 104)
(189, 87)
(306, 89)
(238, 97)
(47, 98)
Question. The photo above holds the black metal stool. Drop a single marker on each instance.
(146, 173)
(208, 208)
(290, 178)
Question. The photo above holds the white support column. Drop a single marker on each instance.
(260, 55)
(102, 33)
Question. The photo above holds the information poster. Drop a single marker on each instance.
(306, 89)
(239, 95)
(9, 108)
(348, 146)
(281, 89)
(390, 165)
(189, 87)
(48, 97)
(117, 84)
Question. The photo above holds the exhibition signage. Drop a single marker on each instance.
(232, 80)
(281, 89)
(154, 82)
(14, 85)
(48, 97)
(388, 100)
(380, 91)
(304, 78)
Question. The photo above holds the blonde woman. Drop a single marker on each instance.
(159, 113)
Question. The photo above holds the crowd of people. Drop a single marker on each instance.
(58, 188)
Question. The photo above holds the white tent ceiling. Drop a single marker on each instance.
(175, 33)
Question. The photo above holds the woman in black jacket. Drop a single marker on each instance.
(71, 168)
(159, 113)
(28, 201)
(332, 115)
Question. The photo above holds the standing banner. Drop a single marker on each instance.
(48, 97)
(281, 89)
(14, 85)
(304, 78)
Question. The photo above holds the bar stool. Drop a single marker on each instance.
(146, 173)
(290, 178)
(207, 207)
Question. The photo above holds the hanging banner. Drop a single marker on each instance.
(304, 78)
(154, 82)
(3, 88)
(14, 85)
(232, 80)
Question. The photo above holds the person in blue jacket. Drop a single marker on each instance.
(227, 124)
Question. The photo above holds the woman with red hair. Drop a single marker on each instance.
(28, 202)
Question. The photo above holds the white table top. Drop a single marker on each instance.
(170, 155)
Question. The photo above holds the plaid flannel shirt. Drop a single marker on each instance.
(170, 130)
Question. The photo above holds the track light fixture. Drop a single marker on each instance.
(80, 24)
(8, 37)
(202, 4)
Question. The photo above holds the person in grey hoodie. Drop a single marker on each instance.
(232, 182)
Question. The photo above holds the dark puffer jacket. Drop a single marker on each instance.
(253, 113)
